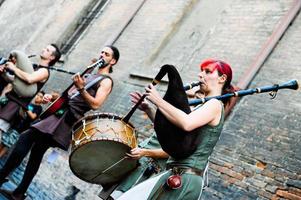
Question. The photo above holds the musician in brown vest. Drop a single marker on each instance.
(184, 175)
(55, 129)
(39, 76)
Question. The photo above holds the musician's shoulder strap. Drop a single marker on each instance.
(96, 80)
(106, 76)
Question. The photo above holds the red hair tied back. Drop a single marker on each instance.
(222, 67)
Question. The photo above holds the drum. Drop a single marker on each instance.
(100, 142)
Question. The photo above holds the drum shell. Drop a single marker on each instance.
(99, 146)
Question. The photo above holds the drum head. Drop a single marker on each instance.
(104, 161)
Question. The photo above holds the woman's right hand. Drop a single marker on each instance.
(153, 95)
(135, 97)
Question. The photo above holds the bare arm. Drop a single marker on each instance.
(102, 93)
(37, 76)
(151, 113)
(31, 115)
(209, 113)
(138, 153)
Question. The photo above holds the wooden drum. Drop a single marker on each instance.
(99, 146)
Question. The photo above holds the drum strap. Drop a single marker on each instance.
(90, 84)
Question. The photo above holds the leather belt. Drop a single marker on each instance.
(186, 170)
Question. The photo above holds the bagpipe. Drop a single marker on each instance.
(58, 69)
(22, 61)
(175, 141)
(292, 84)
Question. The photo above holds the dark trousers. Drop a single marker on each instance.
(30, 140)
(3, 83)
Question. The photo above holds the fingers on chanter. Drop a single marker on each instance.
(135, 96)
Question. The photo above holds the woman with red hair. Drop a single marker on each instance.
(184, 178)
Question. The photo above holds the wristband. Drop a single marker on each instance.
(81, 89)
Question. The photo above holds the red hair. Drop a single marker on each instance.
(222, 68)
